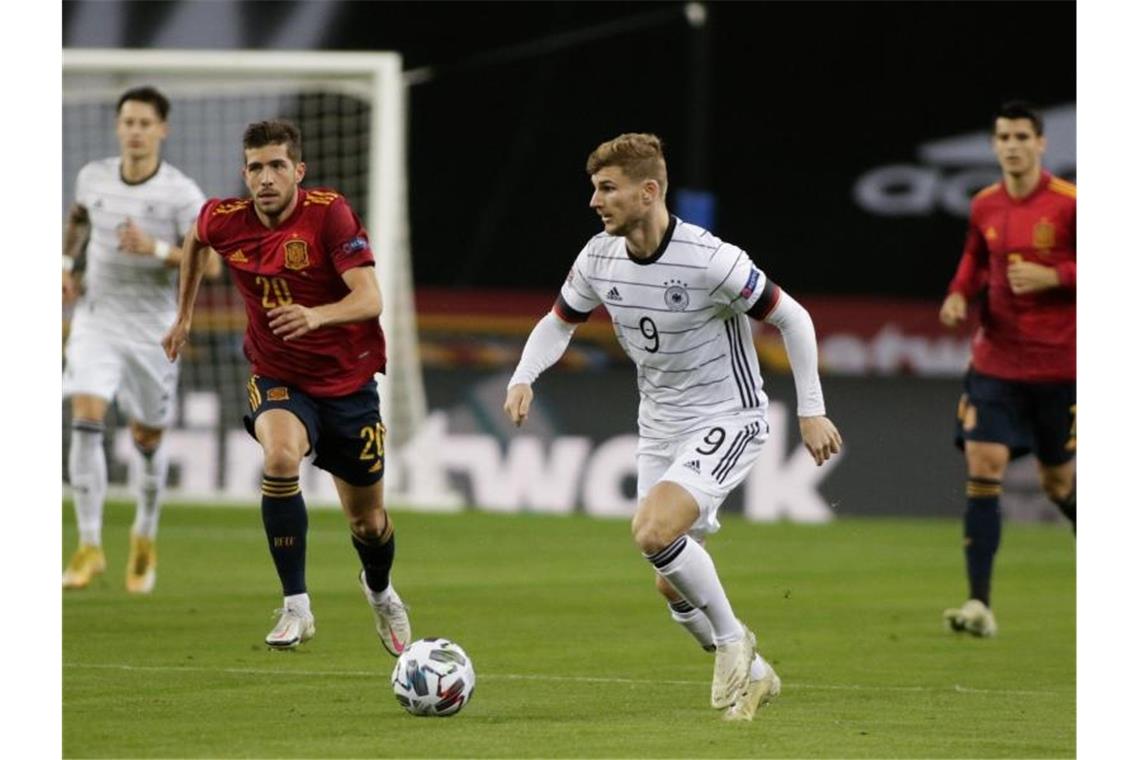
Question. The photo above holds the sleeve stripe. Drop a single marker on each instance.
(767, 301)
(566, 313)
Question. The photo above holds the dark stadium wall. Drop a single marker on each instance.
(839, 144)
(898, 458)
(841, 139)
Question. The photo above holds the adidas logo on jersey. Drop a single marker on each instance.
(614, 295)
(694, 465)
(238, 257)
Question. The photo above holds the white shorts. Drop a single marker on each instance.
(137, 376)
(708, 463)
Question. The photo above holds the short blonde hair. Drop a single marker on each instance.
(638, 154)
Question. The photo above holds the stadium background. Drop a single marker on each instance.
(839, 148)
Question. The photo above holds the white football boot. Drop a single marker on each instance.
(293, 628)
(973, 617)
(391, 616)
(757, 693)
(730, 673)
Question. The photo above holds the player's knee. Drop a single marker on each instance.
(369, 527)
(1057, 485)
(146, 439)
(987, 464)
(650, 534)
(282, 460)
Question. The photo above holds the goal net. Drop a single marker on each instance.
(350, 108)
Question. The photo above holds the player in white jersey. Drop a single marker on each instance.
(680, 300)
(129, 218)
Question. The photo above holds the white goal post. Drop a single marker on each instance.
(351, 108)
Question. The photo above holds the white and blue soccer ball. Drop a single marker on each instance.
(434, 678)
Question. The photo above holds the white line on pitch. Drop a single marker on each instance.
(538, 677)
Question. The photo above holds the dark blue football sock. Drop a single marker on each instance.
(1068, 506)
(376, 556)
(286, 523)
(983, 534)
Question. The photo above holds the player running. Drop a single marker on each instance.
(680, 300)
(304, 267)
(129, 216)
(1021, 388)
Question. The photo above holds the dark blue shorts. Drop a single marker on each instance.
(1025, 417)
(345, 431)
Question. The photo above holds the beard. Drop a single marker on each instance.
(274, 206)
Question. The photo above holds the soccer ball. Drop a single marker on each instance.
(433, 677)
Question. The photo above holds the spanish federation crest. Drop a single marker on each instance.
(676, 296)
(296, 254)
(1044, 234)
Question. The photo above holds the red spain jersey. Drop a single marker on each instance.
(300, 262)
(1030, 337)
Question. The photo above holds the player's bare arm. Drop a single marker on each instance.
(74, 239)
(953, 310)
(134, 240)
(362, 302)
(138, 242)
(1028, 277)
(195, 255)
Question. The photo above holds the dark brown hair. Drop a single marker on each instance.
(274, 132)
(146, 94)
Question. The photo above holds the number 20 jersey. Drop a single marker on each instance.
(680, 316)
(300, 261)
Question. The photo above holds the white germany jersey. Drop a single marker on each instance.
(133, 297)
(680, 316)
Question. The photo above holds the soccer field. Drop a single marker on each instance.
(574, 651)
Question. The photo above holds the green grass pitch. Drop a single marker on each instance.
(574, 651)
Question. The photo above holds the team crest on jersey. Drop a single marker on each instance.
(991, 234)
(676, 295)
(296, 254)
(1044, 234)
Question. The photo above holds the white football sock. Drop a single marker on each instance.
(696, 623)
(87, 470)
(298, 603)
(149, 478)
(690, 570)
(759, 668)
(379, 597)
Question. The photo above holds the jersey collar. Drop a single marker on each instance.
(665, 240)
(145, 179)
(1042, 183)
(289, 222)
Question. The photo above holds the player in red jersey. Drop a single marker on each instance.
(1021, 388)
(303, 264)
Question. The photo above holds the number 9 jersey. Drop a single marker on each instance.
(300, 261)
(682, 317)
